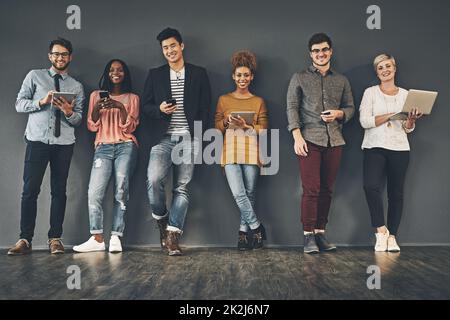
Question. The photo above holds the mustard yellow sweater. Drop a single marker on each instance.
(241, 147)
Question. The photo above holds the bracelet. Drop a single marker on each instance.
(404, 126)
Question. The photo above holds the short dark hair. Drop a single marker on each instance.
(169, 33)
(62, 42)
(319, 38)
(105, 82)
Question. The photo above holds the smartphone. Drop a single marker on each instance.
(104, 94)
(325, 113)
(171, 102)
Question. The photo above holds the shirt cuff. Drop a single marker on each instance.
(95, 124)
(127, 122)
(72, 116)
(293, 127)
(36, 105)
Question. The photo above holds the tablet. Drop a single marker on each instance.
(69, 96)
(246, 115)
(420, 99)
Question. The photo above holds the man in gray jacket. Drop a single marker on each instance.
(319, 102)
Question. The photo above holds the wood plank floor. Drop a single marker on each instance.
(225, 273)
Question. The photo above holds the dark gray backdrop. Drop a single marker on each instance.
(415, 32)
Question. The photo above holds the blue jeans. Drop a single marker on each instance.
(158, 170)
(242, 181)
(111, 159)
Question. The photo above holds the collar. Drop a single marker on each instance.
(313, 69)
(181, 72)
(53, 72)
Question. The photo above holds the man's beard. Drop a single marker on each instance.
(54, 64)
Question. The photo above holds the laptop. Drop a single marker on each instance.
(420, 99)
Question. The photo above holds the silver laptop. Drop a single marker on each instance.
(420, 99)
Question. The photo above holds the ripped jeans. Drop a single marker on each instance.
(117, 159)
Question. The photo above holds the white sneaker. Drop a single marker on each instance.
(90, 246)
(382, 241)
(114, 244)
(392, 245)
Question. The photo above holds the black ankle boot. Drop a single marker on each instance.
(243, 241)
(258, 235)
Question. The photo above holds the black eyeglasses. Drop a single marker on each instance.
(324, 50)
(60, 54)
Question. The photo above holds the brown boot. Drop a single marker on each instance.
(55, 246)
(21, 247)
(162, 225)
(172, 243)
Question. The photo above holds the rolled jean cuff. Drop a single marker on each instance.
(172, 228)
(243, 228)
(255, 225)
(97, 231)
(117, 233)
(158, 217)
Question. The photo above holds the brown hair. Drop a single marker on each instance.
(244, 58)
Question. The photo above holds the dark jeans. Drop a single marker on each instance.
(318, 172)
(381, 165)
(37, 157)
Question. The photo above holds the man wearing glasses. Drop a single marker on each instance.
(50, 138)
(175, 95)
(319, 102)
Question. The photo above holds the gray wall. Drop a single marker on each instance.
(416, 33)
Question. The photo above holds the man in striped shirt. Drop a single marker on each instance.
(175, 95)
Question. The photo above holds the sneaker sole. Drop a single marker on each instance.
(329, 249)
(175, 253)
(57, 252)
(87, 251)
(311, 251)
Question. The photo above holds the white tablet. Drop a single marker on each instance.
(420, 99)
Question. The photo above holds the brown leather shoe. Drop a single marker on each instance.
(172, 243)
(21, 247)
(55, 246)
(162, 225)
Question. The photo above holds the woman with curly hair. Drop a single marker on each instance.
(240, 148)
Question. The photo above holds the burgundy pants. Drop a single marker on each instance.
(318, 172)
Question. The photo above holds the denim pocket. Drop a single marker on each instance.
(35, 151)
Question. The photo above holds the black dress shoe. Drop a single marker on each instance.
(309, 244)
(258, 235)
(323, 243)
(243, 241)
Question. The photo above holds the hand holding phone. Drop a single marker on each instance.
(171, 102)
(104, 94)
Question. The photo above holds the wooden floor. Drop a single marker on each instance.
(225, 273)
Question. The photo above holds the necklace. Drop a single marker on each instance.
(388, 123)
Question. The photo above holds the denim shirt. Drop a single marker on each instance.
(41, 119)
(308, 95)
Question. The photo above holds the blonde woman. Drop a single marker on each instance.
(386, 150)
(240, 160)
